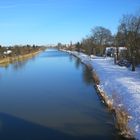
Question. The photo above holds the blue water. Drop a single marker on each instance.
(51, 97)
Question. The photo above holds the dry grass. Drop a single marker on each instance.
(121, 117)
(114, 106)
(89, 67)
(96, 78)
(12, 59)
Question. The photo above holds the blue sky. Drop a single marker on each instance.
(52, 21)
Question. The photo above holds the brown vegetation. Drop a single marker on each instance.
(128, 36)
(96, 78)
(18, 53)
(120, 114)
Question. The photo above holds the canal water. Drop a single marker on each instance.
(51, 97)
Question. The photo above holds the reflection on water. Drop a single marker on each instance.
(77, 63)
(87, 75)
(71, 57)
(48, 98)
(5, 65)
(19, 64)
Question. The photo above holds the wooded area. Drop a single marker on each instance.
(18, 50)
(128, 36)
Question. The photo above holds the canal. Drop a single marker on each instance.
(51, 97)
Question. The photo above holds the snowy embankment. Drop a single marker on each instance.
(121, 85)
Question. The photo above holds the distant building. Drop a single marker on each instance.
(110, 51)
(7, 52)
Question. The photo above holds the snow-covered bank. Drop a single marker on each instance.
(121, 85)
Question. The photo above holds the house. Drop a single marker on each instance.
(7, 52)
(110, 51)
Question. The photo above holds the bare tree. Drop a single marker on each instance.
(78, 46)
(129, 33)
(89, 46)
(102, 37)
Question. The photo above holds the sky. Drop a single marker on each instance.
(43, 22)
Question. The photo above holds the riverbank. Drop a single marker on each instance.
(120, 91)
(8, 60)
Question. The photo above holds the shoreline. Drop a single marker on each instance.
(121, 116)
(9, 60)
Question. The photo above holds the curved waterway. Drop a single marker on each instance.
(51, 97)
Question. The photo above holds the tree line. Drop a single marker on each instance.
(18, 50)
(128, 35)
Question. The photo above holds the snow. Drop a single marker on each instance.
(8, 52)
(119, 48)
(120, 84)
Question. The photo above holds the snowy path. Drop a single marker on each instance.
(120, 84)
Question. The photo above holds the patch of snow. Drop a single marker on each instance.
(120, 84)
(8, 52)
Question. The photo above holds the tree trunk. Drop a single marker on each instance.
(117, 53)
(115, 58)
(133, 63)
